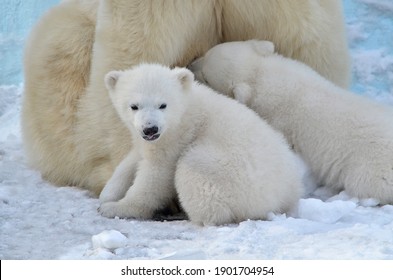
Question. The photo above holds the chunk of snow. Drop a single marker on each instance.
(325, 212)
(109, 239)
(369, 202)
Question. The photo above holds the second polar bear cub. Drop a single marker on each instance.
(224, 162)
(345, 139)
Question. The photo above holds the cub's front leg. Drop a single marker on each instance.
(122, 178)
(153, 189)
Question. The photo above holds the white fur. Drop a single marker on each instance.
(226, 164)
(71, 131)
(346, 139)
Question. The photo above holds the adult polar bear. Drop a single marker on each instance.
(71, 131)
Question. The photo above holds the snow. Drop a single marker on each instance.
(109, 239)
(325, 212)
(41, 221)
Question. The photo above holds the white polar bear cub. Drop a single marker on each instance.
(226, 164)
(346, 139)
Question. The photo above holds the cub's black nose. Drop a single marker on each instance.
(150, 131)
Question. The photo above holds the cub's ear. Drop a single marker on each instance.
(196, 68)
(196, 65)
(185, 77)
(111, 79)
(263, 48)
(242, 92)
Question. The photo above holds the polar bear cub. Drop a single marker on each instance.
(224, 163)
(346, 139)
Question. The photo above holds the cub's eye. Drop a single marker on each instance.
(134, 107)
(163, 106)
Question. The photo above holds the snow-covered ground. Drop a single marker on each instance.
(40, 221)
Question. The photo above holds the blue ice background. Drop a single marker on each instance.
(370, 37)
(16, 19)
(369, 25)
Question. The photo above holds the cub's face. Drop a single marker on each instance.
(149, 116)
(149, 98)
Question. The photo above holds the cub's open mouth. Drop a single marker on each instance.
(151, 137)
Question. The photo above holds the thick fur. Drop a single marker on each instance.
(57, 68)
(226, 164)
(71, 131)
(346, 139)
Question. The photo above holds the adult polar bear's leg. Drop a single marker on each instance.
(56, 73)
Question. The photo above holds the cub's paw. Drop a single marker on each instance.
(122, 209)
(113, 191)
(107, 196)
